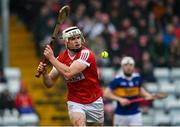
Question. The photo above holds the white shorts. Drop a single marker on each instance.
(128, 120)
(94, 111)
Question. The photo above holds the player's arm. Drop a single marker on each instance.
(108, 93)
(50, 78)
(68, 71)
(146, 94)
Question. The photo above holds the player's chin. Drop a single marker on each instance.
(128, 74)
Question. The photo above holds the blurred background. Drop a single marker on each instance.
(147, 30)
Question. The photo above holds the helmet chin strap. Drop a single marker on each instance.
(75, 50)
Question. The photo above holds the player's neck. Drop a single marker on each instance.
(71, 53)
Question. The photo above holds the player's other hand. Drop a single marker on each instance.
(48, 52)
(124, 101)
(150, 97)
(42, 67)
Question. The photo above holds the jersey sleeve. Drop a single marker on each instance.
(85, 57)
(113, 84)
(60, 57)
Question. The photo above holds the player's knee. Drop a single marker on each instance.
(79, 122)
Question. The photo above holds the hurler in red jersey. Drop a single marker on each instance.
(77, 65)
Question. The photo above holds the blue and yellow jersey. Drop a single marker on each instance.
(127, 88)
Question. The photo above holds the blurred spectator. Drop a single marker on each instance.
(114, 48)
(24, 102)
(2, 77)
(159, 52)
(125, 25)
(159, 10)
(93, 7)
(175, 53)
(130, 48)
(114, 17)
(86, 24)
(152, 32)
(79, 13)
(147, 68)
(143, 43)
(6, 100)
(113, 9)
(102, 25)
(176, 23)
(169, 35)
(136, 15)
(43, 26)
(142, 26)
(100, 47)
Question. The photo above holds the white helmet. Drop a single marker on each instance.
(127, 60)
(70, 32)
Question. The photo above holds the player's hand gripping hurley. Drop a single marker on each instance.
(62, 15)
(159, 95)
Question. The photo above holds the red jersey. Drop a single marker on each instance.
(84, 87)
(23, 101)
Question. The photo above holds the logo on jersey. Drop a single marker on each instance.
(76, 78)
